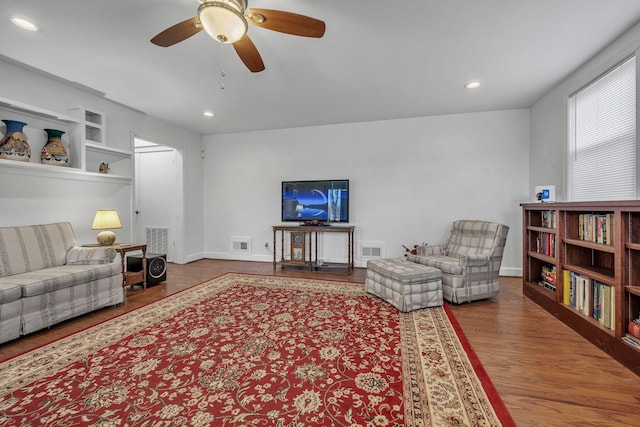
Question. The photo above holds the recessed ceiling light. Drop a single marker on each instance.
(208, 113)
(25, 24)
(472, 85)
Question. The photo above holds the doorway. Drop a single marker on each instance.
(158, 203)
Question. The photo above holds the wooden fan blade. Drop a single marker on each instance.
(249, 54)
(178, 33)
(286, 22)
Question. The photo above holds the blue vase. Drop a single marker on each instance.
(14, 145)
(54, 153)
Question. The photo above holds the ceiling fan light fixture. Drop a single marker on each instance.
(224, 19)
(256, 18)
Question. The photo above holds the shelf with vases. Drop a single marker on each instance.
(39, 131)
(83, 137)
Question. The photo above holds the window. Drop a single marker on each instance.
(602, 137)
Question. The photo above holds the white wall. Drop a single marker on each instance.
(548, 155)
(408, 179)
(28, 199)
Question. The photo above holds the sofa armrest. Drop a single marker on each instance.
(431, 250)
(90, 255)
(475, 260)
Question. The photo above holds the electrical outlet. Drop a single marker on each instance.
(266, 245)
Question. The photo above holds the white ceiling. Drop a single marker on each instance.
(378, 59)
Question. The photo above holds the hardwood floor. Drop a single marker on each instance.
(547, 374)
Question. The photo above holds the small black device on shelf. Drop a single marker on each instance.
(315, 202)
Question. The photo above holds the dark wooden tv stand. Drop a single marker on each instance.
(309, 237)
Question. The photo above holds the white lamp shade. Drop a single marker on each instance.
(105, 220)
(223, 20)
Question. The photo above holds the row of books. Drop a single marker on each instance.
(631, 340)
(549, 277)
(632, 337)
(549, 219)
(590, 297)
(546, 244)
(596, 228)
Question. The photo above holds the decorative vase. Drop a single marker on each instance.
(53, 152)
(14, 145)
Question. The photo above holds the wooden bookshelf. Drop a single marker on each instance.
(596, 240)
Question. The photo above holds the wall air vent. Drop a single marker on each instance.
(371, 250)
(241, 245)
(157, 240)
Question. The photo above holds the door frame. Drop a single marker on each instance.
(177, 199)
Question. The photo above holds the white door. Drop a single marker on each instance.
(156, 195)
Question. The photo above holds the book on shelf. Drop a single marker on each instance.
(613, 308)
(587, 300)
(596, 228)
(604, 304)
(606, 307)
(580, 282)
(546, 244)
(597, 301)
(549, 219)
(590, 298)
(549, 278)
(587, 307)
(580, 293)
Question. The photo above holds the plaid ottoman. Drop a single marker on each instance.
(404, 284)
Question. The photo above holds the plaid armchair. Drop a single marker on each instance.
(469, 260)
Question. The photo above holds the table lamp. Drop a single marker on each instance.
(105, 220)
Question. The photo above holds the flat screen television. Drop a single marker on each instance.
(314, 202)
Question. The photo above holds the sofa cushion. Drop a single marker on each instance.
(9, 292)
(446, 264)
(47, 280)
(34, 247)
(90, 255)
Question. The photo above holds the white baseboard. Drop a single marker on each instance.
(511, 271)
(504, 271)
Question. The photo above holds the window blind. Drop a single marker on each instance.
(602, 137)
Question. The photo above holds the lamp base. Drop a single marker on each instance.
(106, 238)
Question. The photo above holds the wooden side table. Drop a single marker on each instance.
(130, 277)
(133, 277)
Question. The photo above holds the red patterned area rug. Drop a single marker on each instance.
(247, 350)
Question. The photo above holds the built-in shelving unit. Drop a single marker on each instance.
(581, 262)
(84, 139)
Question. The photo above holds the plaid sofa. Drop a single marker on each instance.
(45, 278)
(469, 260)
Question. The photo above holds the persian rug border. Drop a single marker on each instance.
(429, 337)
(489, 388)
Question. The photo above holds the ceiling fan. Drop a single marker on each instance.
(226, 21)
